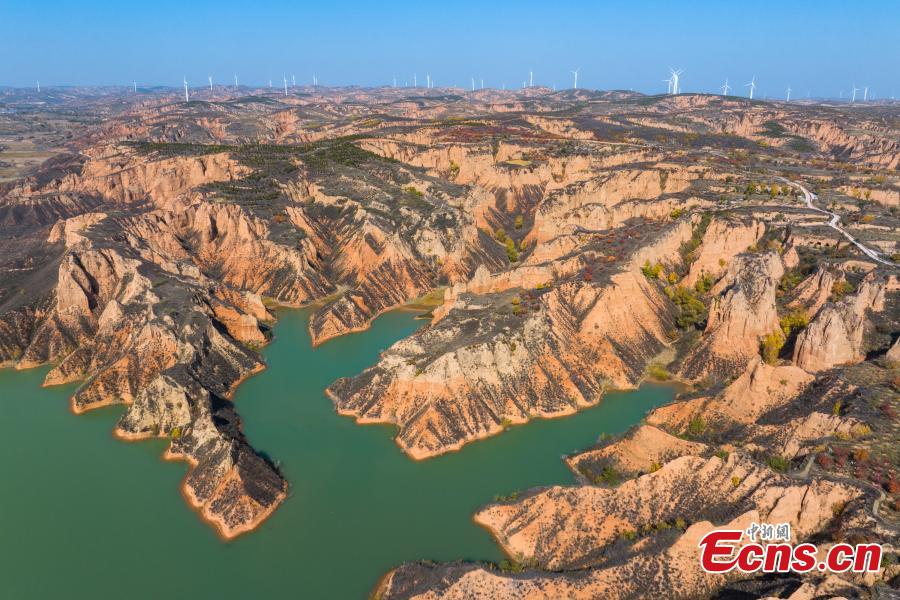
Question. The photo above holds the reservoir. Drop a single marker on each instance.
(83, 515)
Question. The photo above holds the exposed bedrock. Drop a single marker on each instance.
(723, 239)
(383, 270)
(835, 335)
(611, 543)
(610, 199)
(775, 410)
(742, 312)
(508, 355)
(138, 322)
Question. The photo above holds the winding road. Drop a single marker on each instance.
(834, 223)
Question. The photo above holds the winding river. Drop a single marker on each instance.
(83, 515)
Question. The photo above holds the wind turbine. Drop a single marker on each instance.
(415, 85)
(575, 73)
(39, 86)
(135, 87)
(270, 83)
(473, 84)
(865, 93)
(187, 98)
(669, 87)
(235, 81)
(293, 81)
(854, 90)
(482, 84)
(284, 78)
(676, 84)
(752, 86)
(725, 88)
(530, 78)
(788, 99)
(210, 82)
(428, 80)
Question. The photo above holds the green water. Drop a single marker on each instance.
(83, 515)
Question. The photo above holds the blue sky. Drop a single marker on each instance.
(820, 47)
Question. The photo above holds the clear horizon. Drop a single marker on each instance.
(617, 46)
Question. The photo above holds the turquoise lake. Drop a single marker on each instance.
(83, 515)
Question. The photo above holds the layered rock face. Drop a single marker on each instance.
(571, 243)
(170, 350)
(778, 410)
(133, 312)
(835, 335)
(583, 520)
(610, 200)
(641, 536)
(385, 272)
(580, 530)
(814, 291)
(741, 313)
(509, 355)
(642, 450)
(722, 241)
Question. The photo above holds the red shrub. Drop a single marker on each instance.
(892, 486)
(824, 461)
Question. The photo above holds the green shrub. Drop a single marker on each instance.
(697, 426)
(793, 321)
(841, 288)
(771, 346)
(652, 272)
(691, 310)
(607, 476)
(511, 253)
(790, 280)
(628, 535)
(511, 566)
(778, 463)
(412, 191)
(659, 372)
(704, 283)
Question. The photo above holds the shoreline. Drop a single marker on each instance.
(677, 386)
